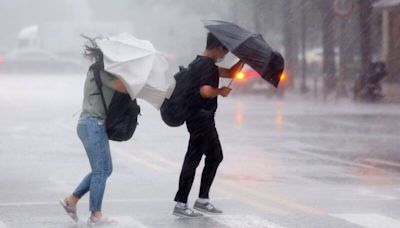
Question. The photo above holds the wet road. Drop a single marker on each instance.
(287, 164)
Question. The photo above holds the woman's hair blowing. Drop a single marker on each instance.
(92, 51)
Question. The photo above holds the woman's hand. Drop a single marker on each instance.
(119, 86)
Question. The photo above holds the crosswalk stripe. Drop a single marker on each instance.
(244, 221)
(382, 162)
(135, 200)
(369, 220)
(128, 221)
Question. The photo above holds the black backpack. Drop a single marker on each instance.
(122, 113)
(175, 110)
(182, 103)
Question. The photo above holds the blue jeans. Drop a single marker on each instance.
(92, 132)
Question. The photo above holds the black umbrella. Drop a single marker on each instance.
(250, 48)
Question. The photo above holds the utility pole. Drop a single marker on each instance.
(290, 11)
(303, 47)
(328, 43)
(343, 10)
(343, 56)
(365, 26)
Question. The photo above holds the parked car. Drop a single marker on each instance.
(38, 61)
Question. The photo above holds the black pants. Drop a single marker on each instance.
(203, 141)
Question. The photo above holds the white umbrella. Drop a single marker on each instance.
(139, 65)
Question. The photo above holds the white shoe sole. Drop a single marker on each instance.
(186, 216)
(205, 211)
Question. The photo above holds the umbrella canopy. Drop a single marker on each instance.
(139, 65)
(250, 48)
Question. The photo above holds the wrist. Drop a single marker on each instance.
(218, 92)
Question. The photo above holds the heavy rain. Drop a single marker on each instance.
(202, 113)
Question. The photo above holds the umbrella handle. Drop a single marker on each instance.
(240, 67)
(230, 83)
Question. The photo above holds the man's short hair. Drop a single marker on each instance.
(213, 42)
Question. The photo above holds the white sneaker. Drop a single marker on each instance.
(71, 210)
(185, 212)
(207, 208)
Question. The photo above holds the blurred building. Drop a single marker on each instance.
(390, 10)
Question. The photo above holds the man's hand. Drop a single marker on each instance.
(211, 92)
(224, 91)
(230, 73)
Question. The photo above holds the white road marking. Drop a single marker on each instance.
(369, 193)
(382, 162)
(369, 220)
(122, 222)
(244, 221)
(44, 203)
(128, 221)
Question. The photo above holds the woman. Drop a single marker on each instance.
(92, 132)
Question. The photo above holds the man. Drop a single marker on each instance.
(201, 126)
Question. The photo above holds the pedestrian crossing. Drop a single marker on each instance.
(128, 221)
(232, 221)
(369, 220)
(248, 221)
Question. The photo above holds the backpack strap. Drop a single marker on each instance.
(97, 78)
(193, 62)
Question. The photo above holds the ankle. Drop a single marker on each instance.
(96, 214)
(72, 200)
(203, 200)
(181, 205)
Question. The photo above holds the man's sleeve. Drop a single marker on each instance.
(207, 75)
(107, 79)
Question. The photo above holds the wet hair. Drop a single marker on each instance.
(92, 51)
(213, 42)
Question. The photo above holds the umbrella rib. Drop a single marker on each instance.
(118, 64)
(242, 42)
(129, 45)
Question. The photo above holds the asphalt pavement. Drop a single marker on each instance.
(287, 163)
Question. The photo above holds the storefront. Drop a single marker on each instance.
(390, 36)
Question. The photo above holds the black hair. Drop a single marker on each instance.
(91, 50)
(213, 42)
